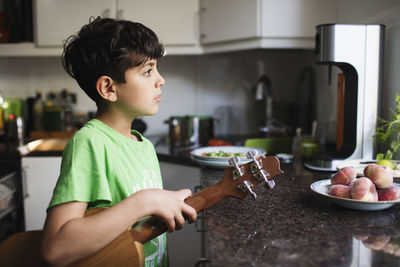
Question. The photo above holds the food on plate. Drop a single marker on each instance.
(390, 193)
(378, 175)
(217, 142)
(340, 190)
(387, 163)
(364, 189)
(376, 242)
(345, 176)
(221, 154)
(376, 186)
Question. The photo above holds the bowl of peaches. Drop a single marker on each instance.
(375, 190)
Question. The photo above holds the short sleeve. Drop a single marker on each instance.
(83, 174)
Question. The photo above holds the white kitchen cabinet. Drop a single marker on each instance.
(235, 24)
(174, 21)
(56, 20)
(184, 246)
(40, 176)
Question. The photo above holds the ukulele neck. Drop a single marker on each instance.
(237, 182)
(151, 227)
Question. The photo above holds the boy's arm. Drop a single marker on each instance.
(68, 236)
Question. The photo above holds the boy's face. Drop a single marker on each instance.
(141, 93)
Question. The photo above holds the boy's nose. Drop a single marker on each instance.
(160, 81)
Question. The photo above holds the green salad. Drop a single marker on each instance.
(222, 154)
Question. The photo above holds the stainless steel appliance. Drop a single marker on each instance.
(190, 131)
(356, 49)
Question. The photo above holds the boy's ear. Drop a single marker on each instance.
(106, 89)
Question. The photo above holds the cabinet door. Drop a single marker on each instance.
(56, 20)
(40, 176)
(226, 20)
(295, 18)
(184, 246)
(174, 21)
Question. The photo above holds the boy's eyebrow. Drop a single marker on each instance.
(149, 63)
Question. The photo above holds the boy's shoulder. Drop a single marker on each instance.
(89, 133)
(97, 133)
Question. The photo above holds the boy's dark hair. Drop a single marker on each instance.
(108, 47)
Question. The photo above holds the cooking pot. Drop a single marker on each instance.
(190, 131)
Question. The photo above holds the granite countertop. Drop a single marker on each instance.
(292, 226)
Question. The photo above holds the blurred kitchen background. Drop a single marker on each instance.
(221, 84)
(216, 53)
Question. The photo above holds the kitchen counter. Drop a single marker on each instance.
(292, 226)
(54, 147)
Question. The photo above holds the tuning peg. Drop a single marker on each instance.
(246, 187)
(263, 175)
(270, 184)
(238, 171)
(256, 165)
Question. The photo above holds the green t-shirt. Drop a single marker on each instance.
(102, 167)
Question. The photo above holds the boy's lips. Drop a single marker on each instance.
(157, 98)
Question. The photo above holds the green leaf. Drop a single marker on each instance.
(388, 155)
(394, 144)
(379, 156)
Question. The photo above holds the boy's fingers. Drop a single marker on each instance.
(179, 221)
(171, 225)
(190, 213)
(185, 193)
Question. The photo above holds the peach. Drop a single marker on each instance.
(378, 175)
(376, 242)
(340, 190)
(364, 189)
(390, 193)
(345, 176)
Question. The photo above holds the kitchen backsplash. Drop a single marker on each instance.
(218, 84)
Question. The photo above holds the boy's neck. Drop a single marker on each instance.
(119, 123)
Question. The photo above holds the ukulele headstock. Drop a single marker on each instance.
(240, 180)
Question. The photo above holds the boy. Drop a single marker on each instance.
(105, 164)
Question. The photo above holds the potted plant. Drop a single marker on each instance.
(389, 133)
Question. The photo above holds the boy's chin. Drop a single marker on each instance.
(150, 112)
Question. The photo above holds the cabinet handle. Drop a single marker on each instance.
(120, 14)
(24, 182)
(201, 261)
(200, 221)
(198, 188)
(197, 22)
(106, 13)
(201, 23)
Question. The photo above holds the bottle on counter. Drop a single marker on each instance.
(38, 112)
(296, 146)
(2, 119)
(52, 114)
(66, 103)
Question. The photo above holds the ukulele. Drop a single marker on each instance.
(23, 249)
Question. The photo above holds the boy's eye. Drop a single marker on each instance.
(147, 73)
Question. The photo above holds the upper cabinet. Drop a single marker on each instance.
(185, 26)
(235, 24)
(56, 20)
(174, 21)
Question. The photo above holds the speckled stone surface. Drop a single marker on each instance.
(292, 226)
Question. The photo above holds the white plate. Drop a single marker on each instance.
(360, 164)
(321, 187)
(215, 164)
(198, 153)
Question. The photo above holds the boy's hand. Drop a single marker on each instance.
(169, 206)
